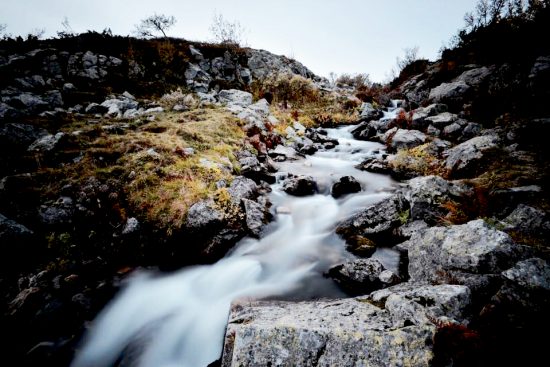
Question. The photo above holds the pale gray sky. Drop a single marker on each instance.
(326, 35)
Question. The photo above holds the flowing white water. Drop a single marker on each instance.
(179, 319)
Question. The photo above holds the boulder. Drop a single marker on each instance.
(475, 77)
(235, 97)
(450, 93)
(364, 131)
(300, 186)
(398, 139)
(369, 113)
(261, 108)
(442, 120)
(377, 222)
(360, 276)
(19, 136)
(255, 217)
(29, 103)
(427, 194)
(59, 213)
(95, 108)
(242, 188)
(528, 221)
(375, 164)
(131, 226)
(417, 303)
(438, 254)
(46, 143)
(469, 157)
(345, 332)
(204, 215)
(345, 185)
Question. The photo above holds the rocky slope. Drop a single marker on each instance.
(471, 222)
(108, 168)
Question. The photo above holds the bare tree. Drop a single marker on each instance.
(410, 56)
(226, 32)
(67, 30)
(2, 28)
(156, 23)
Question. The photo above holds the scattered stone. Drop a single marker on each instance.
(19, 136)
(204, 215)
(377, 222)
(300, 186)
(131, 226)
(359, 276)
(345, 185)
(450, 93)
(255, 217)
(398, 139)
(369, 113)
(46, 143)
(427, 194)
(235, 97)
(242, 188)
(468, 157)
(439, 253)
(528, 220)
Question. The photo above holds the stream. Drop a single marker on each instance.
(179, 319)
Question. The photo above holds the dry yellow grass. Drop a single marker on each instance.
(161, 181)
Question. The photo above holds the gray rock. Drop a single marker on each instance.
(262, 64)
(242, 188)
(204, 215)
(365, 131)
(449, 92)
(19, 136)
(12, 232)
(417, 303)
(235, 97)
(369, 113)
(7, 112)
(346, 332)
(255, 216)
(95, 108)
(471, 248)
(282, 152)
(131, 226)
(442, 120)
(46, 143)
(117, 107)
(472, 129)
(359, 276)
(452, 131)
(475, 77)
(528, 220)
(532, 274)
(300, 186)
(404, 139)
(426, 194)
(321, 333)
(540, 67)
(60, 212)
(261, 107)
(376, 222)
(29, 102)
(345, 185)
(54, 98)
(468, 157)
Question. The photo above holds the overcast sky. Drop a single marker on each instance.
(353, 36)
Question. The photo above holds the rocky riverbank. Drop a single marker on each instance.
(470, 223)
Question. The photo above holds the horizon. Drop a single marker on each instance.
(324, 35)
